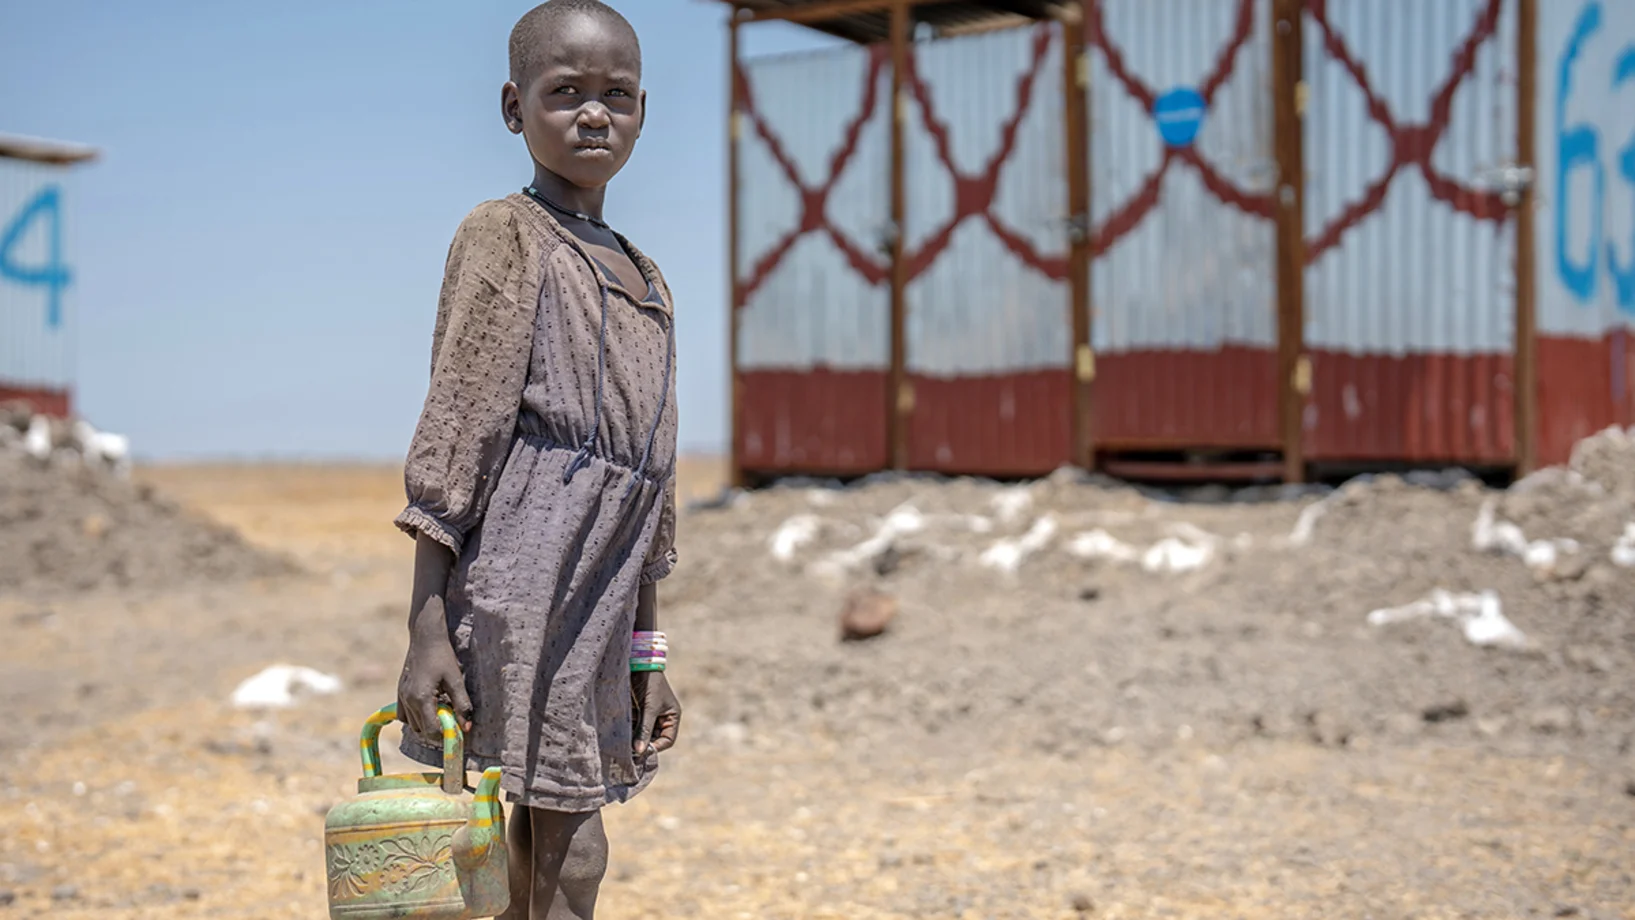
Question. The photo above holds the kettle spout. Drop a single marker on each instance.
(475, 843)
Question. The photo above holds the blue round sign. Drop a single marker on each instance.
(1179, 113)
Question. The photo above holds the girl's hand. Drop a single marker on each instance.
(431, 676)
(658, 712)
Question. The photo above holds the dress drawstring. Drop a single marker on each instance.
(586, 451)
(582, 458)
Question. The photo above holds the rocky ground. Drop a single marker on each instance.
(1092, 701)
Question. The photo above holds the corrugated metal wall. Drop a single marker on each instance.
(1410, 280)
(988, 333)
(813, 216)
(1410, 116)
(1585, 238)
(1183, 278)
(36, 285)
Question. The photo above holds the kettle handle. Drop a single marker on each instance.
(454, 767)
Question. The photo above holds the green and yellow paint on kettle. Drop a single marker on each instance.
(412, 845)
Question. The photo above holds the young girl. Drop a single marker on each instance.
(541, 475)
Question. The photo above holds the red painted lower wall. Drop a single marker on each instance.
(1415, 408)
(1001, 425)
(1584, 385)
(48, 402)
(1164, 400)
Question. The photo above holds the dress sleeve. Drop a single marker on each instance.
(661, 557)
(481, 346)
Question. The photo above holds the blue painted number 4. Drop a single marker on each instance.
(53, 275)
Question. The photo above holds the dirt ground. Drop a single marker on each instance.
(1094, 702)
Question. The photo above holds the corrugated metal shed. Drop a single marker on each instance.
(1356, 232)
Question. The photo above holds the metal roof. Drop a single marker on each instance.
(39, 150)
(865, 21)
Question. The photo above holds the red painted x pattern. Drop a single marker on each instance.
(1411, 145)
(814, 200)
(973, 192)
(1129, 215)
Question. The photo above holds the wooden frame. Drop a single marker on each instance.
(1075, 100)
(1293, 365)
(734, 126)
(898, 392)
(1526, 358)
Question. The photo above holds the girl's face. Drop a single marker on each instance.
(583, 106)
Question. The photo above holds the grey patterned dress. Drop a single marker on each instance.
(544, 459)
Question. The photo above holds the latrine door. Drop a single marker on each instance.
(812, 293)
(1410, 245)
(988, 334)
(1183, 246)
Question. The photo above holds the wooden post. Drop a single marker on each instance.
(734, 287)
(1288, 104)
(899, 396)
(1075, 83)
(1526, 362)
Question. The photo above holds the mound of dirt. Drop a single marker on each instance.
(1075, 612)
(69, 525)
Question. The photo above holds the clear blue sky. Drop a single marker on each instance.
(258, 253)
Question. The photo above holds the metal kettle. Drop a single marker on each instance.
(413, 845)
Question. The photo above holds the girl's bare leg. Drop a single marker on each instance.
(519, 842)
(557, 864)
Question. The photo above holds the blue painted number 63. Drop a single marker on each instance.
(53, 275)
(1579, 147)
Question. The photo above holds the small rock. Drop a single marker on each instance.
(1629, 788)
(1552, 720)
(7, 897)
(95, 526)
(1090, 593)
(192, 894)
(867, 614)
(891, 860)
(1589, 659)
(1566, 910)
(64, 893)
(888, 561)
(1081, 903)
(1446, 712)
(732, 733)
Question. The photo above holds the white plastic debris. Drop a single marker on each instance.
(1306, 523)
(901, 521)
(281, 685)
(1479, 614)
(37, 440)
(1099, 544)
(1013, 502)
(793, 534)
(1490, 535)
(1008, 554)
(1173, 555)
(1623, 550)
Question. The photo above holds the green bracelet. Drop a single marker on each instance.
(646, 666)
